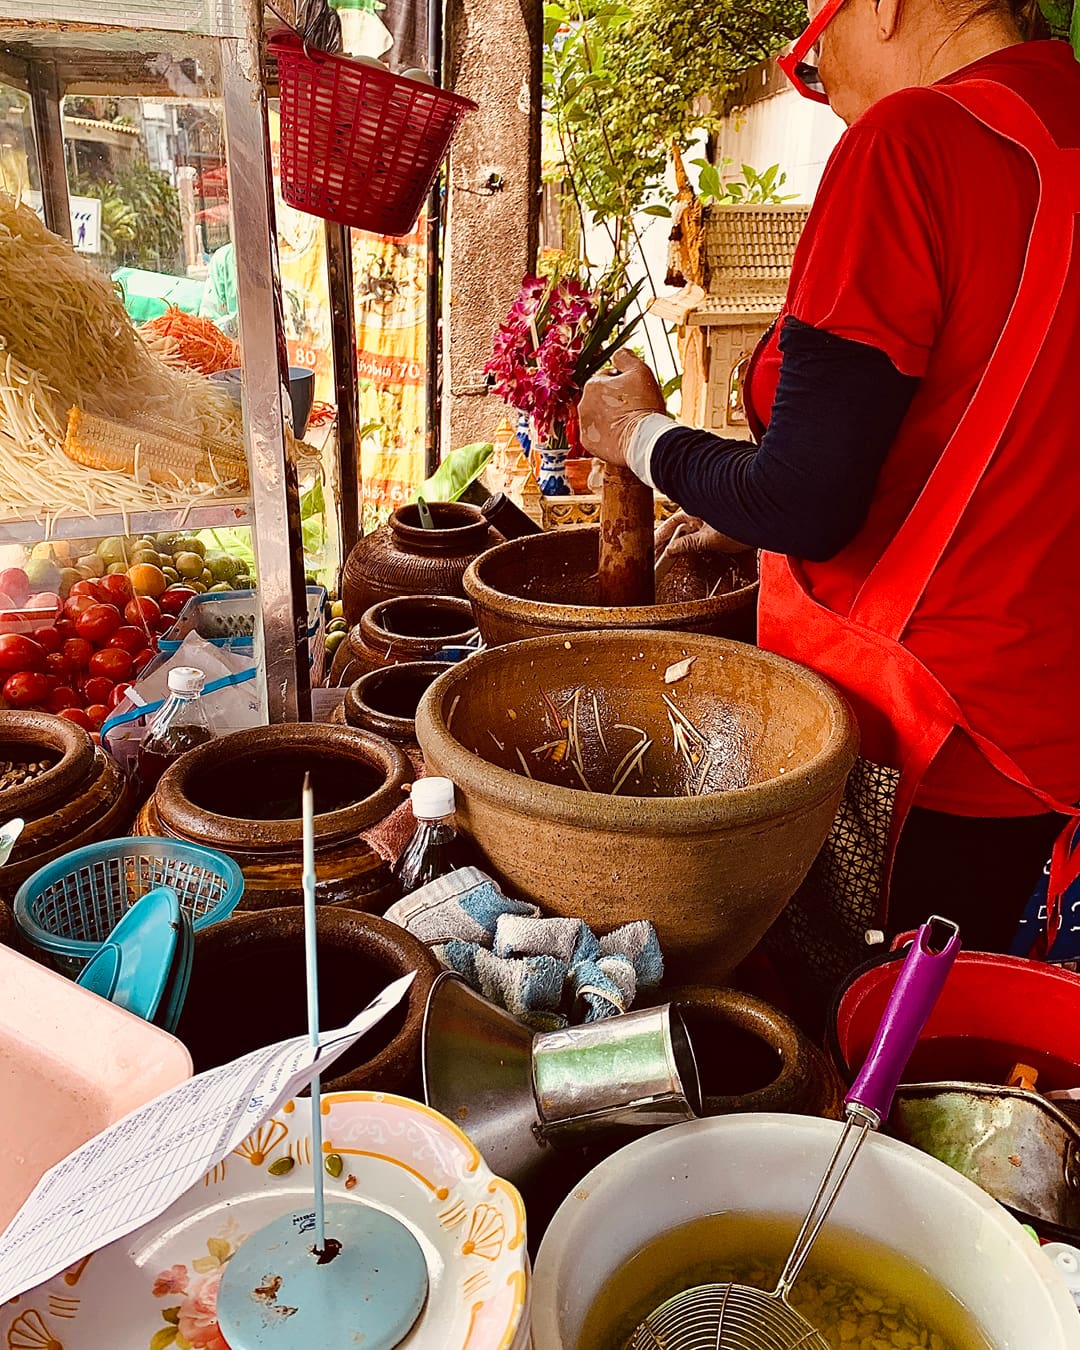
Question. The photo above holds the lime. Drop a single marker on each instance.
(188, 564)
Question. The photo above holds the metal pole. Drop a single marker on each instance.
(48, 123)
(339, 275)
(434, 270)
(275, 495)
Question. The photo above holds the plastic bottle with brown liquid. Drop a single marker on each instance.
(179, 724)
(436, 848)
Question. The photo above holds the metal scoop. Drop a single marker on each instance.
(739, 1317)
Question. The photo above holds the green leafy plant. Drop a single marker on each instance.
(457, 473)
(753, 188)
(140, 216)
(622, 81)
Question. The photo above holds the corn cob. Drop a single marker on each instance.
(150, 450)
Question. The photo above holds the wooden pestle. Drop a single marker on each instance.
(627, 573)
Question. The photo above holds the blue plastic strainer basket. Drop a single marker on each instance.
(69, 907)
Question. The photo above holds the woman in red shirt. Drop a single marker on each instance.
(916, 486)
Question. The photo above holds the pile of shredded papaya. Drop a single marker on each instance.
(197, 343)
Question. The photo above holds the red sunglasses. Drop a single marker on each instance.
(800, 63)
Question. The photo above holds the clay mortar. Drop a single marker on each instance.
(248, 990)
(548, 583)
(241, 794)
(712, 871)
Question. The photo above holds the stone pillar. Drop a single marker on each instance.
(494, 54)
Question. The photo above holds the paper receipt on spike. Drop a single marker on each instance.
(134, 1170)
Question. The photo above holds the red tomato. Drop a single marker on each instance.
(128, 638)
(116, 665)
(97, 713)
(65, 627)
(175, 598)
(117, 694)
(142, 610)
(90, 587)
(54, 681)
(141, 660)
(18, 652)
(98, 623)
(77, 716)
(49, 638)
(97, 688)
(25, 688)
(56, 663)
(78, 652)
(117, 588)
(75, 605)
(62, 697)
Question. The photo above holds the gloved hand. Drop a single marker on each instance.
(681, 533)
(612, 405)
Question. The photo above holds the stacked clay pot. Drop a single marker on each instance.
(406, 628)
(384, 702)
(241, 794)
(402, 558)
(81, 797)
(248, 990)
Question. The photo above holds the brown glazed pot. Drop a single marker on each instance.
(384, 701)
(402, 558)
(407, 628)
(712, 871)
(751, 1057)
(248, 990)
(81, 799)
(241, 794)
(547, 583)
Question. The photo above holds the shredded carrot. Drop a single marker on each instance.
(198, 343)
(321, 413)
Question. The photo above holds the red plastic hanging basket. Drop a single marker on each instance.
(359, 145)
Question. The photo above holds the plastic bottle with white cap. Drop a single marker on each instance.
(179, 724)
(436, 848)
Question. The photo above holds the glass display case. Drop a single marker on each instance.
(134, 440)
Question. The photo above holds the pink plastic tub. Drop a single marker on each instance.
(70, 1064)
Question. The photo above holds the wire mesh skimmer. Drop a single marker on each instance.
(739, 1317)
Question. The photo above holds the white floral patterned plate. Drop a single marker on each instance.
(157, 1289)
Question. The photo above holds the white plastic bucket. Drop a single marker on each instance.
(771, 1164)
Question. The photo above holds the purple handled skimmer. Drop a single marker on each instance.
(738, 1317)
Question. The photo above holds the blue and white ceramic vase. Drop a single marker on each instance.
(552, 476)
(523, 433)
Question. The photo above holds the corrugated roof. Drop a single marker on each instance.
(748, 256)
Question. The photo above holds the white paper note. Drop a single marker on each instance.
(134, 1170)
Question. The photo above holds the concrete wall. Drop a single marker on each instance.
(494, 51)
(783, 129)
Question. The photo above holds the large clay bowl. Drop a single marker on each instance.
(241, 794)
(247, 990)
(712, 871)
(546, 584)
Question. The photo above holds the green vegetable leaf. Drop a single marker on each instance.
(457, 471)
(657, 210)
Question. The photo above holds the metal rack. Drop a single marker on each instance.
(48, 50)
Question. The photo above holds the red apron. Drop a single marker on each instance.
(904, 712)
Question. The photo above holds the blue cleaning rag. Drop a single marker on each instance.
(544, 971)
(463, 905)
(637, 942)
(529, 987)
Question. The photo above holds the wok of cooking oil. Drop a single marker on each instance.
(856, 1292)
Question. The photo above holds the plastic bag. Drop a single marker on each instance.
(232, 696)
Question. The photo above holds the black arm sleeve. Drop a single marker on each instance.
(806, 489)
